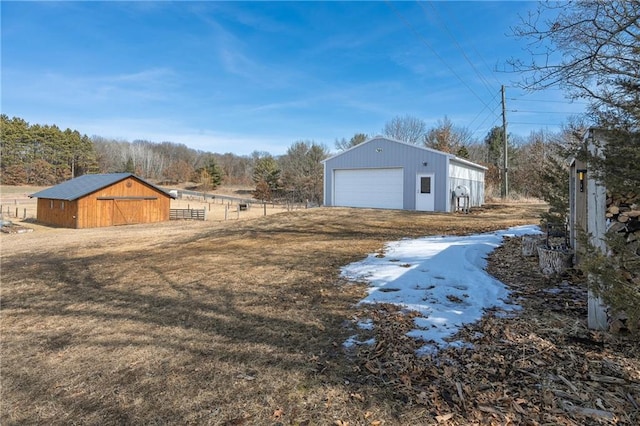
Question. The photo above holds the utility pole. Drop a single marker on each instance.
(505, 162)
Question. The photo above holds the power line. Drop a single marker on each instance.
(453, 18)
(426, 43)
(455, 41)
(548, 101)
(482, 110)
(542, 112)
(496, 118)
(537, 124)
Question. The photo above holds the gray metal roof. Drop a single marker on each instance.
(423, 148)
(86, 184)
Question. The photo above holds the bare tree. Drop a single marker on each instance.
(302, 171)
(592, 49)
(407, 129)
(237, 169)
(589, 48)
(446, 137)
(358, 138)
(177, 172)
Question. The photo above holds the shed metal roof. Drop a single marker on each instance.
(86, 184)
(423, 148)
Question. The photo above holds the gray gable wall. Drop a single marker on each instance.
(382, 152)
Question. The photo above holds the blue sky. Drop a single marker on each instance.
(245, 76)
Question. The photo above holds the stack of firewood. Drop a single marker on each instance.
(623, 214)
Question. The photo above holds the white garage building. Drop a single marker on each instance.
(389, 174)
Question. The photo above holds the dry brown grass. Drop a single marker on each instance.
(237, 322)
(16, 205)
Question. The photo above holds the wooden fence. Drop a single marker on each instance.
(191, 214)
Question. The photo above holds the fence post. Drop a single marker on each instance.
(25, 214)
(16, 212)
(238, 210)
(226, 208)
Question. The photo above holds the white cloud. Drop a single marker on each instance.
(56, 88)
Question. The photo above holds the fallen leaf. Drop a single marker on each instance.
(357, 396)
(278, 413)
(369, 366)
(444, 417)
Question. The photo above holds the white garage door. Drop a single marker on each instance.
(377, 188)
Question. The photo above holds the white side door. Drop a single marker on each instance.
(425, 194)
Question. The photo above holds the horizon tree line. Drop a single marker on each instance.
(45, 155)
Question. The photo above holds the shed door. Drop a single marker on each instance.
(425, 197)
(128, 212)
(121, 211)
(377, 188)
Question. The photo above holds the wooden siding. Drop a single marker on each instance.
(57, 212)
(127, 202)
(577, 205)
(587, 214)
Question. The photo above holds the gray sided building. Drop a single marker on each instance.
(389, 174)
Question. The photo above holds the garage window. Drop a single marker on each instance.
(425, 185)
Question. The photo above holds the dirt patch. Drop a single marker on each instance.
(242, 322)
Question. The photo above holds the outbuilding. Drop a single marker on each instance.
(389, 174)
(98, 200)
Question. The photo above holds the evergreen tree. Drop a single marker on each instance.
(129, 166)
(302, 171)
(216, 174)
(210, 176)
(357, 139)
(266, 176)
(495, 143)
(463, 152)
(590, 48)
(42, 154)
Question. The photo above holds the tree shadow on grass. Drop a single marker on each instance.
(116, 306)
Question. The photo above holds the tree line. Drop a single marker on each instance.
(46, 155)
(43, 154)
(540, 148)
